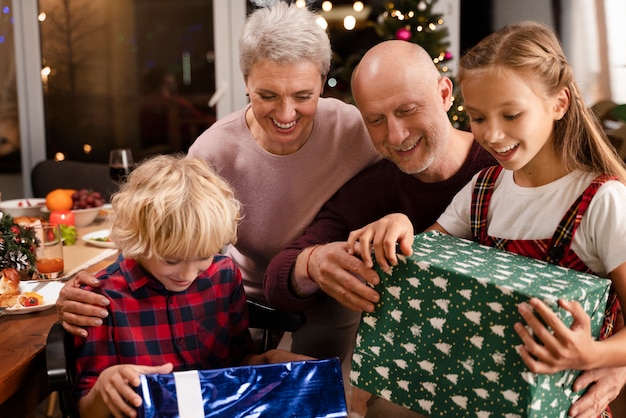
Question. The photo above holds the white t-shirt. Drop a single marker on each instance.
(526, 213)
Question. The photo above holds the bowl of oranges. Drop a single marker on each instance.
(85, 204)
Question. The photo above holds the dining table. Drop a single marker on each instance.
(23, 374)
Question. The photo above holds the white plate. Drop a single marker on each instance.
(90, 238)
(49, 291)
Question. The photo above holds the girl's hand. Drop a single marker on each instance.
(115, 387)
(383, 234)
(560, 347)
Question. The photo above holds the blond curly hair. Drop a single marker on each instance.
(175, 208)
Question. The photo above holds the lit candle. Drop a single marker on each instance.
(62, 217)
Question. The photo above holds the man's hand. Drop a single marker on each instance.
(342, 275)
(603, 386)
(78, 308)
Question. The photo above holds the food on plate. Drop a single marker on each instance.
(27, 220)
(60, 199)
(9, 287)
(10, 295)
(100, 239)
(85, 199)
(28, 299)
(26, 203)
(24, 300)
(9, 281)
(68, 233)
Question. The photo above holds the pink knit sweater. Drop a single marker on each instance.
(281, 194)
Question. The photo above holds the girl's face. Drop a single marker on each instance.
(283, 103)
(176, 275)
(511, 121)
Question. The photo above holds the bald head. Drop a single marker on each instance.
(393, 62)
(404, 103)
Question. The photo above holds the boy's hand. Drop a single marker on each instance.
(115, 385)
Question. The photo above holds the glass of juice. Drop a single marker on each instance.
(49, 253)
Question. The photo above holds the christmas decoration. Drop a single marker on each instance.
(412, 21)
(403, 34)
(17, 245)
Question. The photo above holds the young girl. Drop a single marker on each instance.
(557, 195)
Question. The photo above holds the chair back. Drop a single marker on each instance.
(48, 175)
(60, 361)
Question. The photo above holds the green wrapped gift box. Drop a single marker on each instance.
(441, 341)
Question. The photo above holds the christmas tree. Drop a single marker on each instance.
(411, 21)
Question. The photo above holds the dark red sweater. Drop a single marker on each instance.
(373, 193)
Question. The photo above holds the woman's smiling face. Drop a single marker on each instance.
(284, 101)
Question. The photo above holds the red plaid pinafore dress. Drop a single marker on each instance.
(555, 250)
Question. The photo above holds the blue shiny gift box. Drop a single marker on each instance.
(297, 389)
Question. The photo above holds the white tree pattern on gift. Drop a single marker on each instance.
(441, 340)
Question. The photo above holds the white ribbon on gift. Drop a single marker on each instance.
(189, 394)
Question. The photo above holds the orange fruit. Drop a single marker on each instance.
(59, 199)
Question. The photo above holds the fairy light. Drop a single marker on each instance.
(349, 22)
(358, 6)
(327, 6)
(322, 22)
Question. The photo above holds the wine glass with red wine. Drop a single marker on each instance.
(120, 164)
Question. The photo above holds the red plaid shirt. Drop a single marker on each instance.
(204, 327)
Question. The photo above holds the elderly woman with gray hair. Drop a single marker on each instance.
(285, 154)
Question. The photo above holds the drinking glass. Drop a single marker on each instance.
(120, 164)
(49, 252)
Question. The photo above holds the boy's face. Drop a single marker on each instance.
(176, 275)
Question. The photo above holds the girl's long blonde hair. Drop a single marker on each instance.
(533, 50)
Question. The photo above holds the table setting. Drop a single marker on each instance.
(49, 240)
(24, 329)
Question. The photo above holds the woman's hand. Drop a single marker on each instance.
(114, 389)
(383, 235)
(78, 308)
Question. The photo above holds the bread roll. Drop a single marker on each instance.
(9, 281)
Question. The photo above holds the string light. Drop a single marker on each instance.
(322, 22)
(349, 22)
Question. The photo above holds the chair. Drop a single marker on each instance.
(60, 355)
(48, 175)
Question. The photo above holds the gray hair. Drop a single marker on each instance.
(284, 34)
